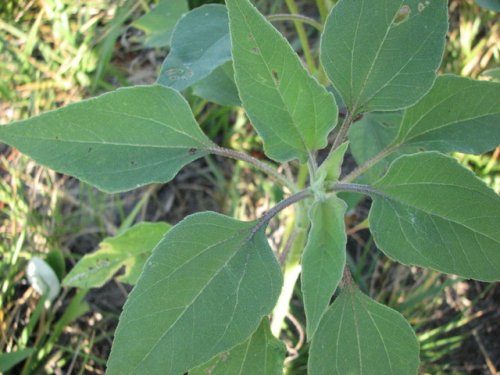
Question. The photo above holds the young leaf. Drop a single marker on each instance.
(432, 212)
(130, 249)
(458, 114)
(360, 336)
(204, 290)
(117, 141)
(384, 55)
(290, 110)
(219, 87)
(261, 354)
(200, 43)
(159, 23)
(324, 258)
(332, 166)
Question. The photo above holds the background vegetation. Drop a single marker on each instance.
(54, 52)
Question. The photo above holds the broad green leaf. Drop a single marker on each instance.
(332, 166)
(290, 110)
(458, 114)
(383, 55)
(159, 23)
(493, 5)
(130, 249)
(432, 212)
(200, 43)
(204, 290)
(372, 134)
(323, 259)
(358, 336)
(117, 141)
(10, 359)
(261, 354)
(219, 86)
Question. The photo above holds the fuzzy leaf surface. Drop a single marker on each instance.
(219, 87)
(117, 141)
(261, 354)
(432, 212)
(383, 55)
(290, 110)
(359, 336)
(130, 249)
(159, 23)
(331, 168)
(200, 44)
(324, 258)
(204, 290)
(372, 134)
(458, 114)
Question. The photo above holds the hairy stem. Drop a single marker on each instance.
(347, 280)
(342, 132)
(264, 220)
(264, 167)
(291, 270)
(355, 188)
(368, 164)
(292, 7)
(296, 17)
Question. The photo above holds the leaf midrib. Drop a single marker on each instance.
(431, 213)
(209, 281)
(285, 107)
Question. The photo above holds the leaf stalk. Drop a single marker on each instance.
(264, 167)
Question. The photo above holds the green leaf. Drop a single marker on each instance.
(10, 359)
(291, 111)
(219, 87)
(458, 114)
(200, 43)
(55, 259)
(204, 290)
(383, 56)
(358, 336)
(261, 354)
(432, 212)
(117, 141)
(323, 259)
(372, 134)
(493, 5)
(130, 249)
(332, 166)
(159, 23)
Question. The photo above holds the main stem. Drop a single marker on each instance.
(341, 135)
(291, 272)
(291, 267)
